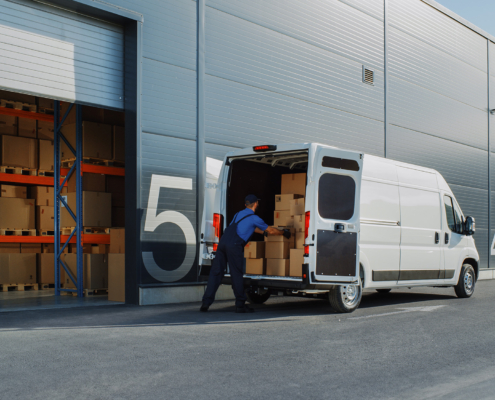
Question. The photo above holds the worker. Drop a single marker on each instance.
(231, 250)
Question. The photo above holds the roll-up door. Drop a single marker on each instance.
(54, 53)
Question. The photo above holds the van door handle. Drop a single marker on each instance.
(437, 238)
(446, 238)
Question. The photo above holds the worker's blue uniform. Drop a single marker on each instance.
(231, 250)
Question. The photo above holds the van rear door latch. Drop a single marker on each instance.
(340, 228)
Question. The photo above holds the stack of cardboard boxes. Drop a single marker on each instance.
(277, 255)
(116, 266)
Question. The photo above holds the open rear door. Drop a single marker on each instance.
(338, 189)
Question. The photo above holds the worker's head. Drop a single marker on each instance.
(251, 202)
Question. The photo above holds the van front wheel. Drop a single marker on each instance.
(346, 298)
(467, 282)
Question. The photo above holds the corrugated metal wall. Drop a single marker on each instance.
(290, 71)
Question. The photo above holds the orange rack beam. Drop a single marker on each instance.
(89, 239)
(27, 179)
(97, 169)
(26, 114)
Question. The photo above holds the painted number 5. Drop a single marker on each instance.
(153, 220)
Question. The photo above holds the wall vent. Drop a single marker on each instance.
(368, 76)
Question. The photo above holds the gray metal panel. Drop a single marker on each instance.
(244, 52)
(169, 99)
(459, 164)
(432, 27)
(492, 58)
(423, 65)
(54, 53)
(413, 107)
(483, 242)
(371, 7)
(329, 24)
(242, 116)
(473, 202)
(217, 151)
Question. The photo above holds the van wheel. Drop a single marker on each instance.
(257, 297)
(467, 282)
(346, 298)
(383, 290)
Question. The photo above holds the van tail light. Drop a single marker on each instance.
(218, 225)
(306, 251)
(306, 225)
(215, 247)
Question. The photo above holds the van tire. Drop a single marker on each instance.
(339, 300)
(383, 291)
(467, 282)
(255, 298)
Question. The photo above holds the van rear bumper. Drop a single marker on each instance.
(279, 284)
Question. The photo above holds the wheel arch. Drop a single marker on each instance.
(474, 264)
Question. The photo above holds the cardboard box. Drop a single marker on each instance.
(116, 277)
(294, 184)
(299, 240)
(46, 269)
(30, 248)
(46, 106)
(95, 270)
(296, 262)
(96, 140)
(10, 248)
(282, 201)
(90, 183)
(8, 125)
(45, 155)
(299, 222)
(283, 218)
(47, 248)
(118, 143)
(17, 268)
(45, 218)
(118, 217)
(19, 152)
(91, 114)
(117, 240)
(255, 266)
(297, 207)
(280, 238)
(46, 130)
(97, 210)
(89, 248)
(254, 250)
(16, 213)
(27, 128)
(277, 267)
(116, 186)
(19, 192)
(44, 195)
(277, 250)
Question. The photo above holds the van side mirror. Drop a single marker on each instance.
(469, 226)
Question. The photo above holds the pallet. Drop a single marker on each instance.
(46, 173)
(88, 292)
(87, 230)
(18, 171)
(19, 287)
(46, 286)
(17, 105)
(47, 111)
(93, 161)
(47, 233)
(17, 232)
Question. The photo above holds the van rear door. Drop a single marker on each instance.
(338, 188)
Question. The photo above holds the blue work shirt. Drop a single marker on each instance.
(247, 226)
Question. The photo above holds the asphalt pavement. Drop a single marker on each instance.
(408, 344)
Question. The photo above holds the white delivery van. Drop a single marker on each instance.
(371, 222)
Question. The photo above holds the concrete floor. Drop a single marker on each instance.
(46, 300)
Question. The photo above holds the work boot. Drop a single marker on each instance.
(204, 307)
(244, 309)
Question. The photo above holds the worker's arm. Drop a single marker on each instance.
(270, 230)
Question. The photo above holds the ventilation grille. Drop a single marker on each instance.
(368, 76)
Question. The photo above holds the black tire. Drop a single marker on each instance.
(340, 300)
(467, 282)
(383, 291)
(257, 298)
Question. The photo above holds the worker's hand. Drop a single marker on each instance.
(287, 234)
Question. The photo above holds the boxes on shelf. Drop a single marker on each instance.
(277, 267)
(19, 192)
(47, 248)
(19, 152)
(45, 155)
(294, 184)
(116, 186)
(95, 270)
(116, 277)
(255, 266)
(97, 210)
(117, 240)
(254, 250)
(277, 249)
(27, 128)
(10, 248)
(44, 195)
(46, 106)
(45, 218)
(30, 248)
(297, 207)
(8, 125)
(90, 183)
(46, 269)
(118, 143)
(16, 213)
(17, 268)
(118, 217)
(91, 114)
(46, 130)
(96, 140)
(283, 218)
(19, 101)
(89, 248)
(296, 262)
(282, 201)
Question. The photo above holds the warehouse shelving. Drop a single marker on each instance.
(26, 114)
(86, 239)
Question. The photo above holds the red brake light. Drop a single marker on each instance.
(306, 250)
(218, 225)
(266, 147)
(215, 246)
(306, 224)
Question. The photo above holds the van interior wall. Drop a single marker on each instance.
(262, 180)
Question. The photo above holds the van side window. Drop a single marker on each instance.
(449, 209)
(458, 219)
(340, 163)
(336, 196)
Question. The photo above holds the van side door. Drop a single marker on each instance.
(337, 186)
